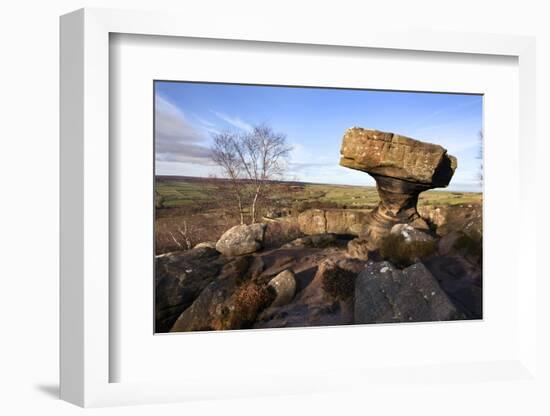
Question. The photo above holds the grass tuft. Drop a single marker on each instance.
(398, 251)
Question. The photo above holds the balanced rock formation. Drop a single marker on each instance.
(402, 168)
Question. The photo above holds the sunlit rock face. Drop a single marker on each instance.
(402, 168)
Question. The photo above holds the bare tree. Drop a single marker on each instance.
(225, 154)
(184, 233)
(251, 160)
(263, 154)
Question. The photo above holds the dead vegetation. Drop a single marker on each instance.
(249, 300)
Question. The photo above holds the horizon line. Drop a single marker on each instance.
(440, 189)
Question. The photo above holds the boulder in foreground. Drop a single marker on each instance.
(231, 301)
(180, 278)
(327, 300)
(241, 239)
(284, 285)
(385, 294)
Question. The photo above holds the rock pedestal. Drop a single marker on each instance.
(402, 168)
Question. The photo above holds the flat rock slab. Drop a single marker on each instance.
(395, 156)
(386, 294)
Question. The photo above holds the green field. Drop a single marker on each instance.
(185, 192)
(179, 192)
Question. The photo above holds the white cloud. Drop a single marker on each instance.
(234, 121)
(177, 140)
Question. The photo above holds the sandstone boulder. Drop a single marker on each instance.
(469, 246)
(179, 279)
(447, 243)
(461, 281)
(336, 221)
(465, 218)
(284, 285)
(327, 300)
(384, 294)
(411, 234)
(313, 221)
(207, 244)
(241, 239)
(231, 301)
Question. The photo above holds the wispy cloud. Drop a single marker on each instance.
(177, 140)
(234, 121)
(421, 123)
(302, 163)
(206, 125)
(297, 166)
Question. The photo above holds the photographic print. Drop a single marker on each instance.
(285, 206)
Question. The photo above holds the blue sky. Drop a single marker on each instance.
(314, 121)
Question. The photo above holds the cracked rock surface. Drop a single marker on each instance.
(386, 294)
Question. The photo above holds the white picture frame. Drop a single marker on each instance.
(86, 356)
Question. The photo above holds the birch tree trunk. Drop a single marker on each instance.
(254, 202)
(240, 208)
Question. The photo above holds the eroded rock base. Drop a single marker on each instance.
(398, 200)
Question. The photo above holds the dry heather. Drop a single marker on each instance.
(247, 303)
